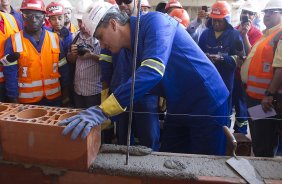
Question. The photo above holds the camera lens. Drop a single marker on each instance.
(81, 49)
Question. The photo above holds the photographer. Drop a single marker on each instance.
(249, 32)
(84, 54)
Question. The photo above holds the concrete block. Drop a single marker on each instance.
(31, 135)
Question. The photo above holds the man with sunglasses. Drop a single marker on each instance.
(40, 72)
(169, 64)
(128, 6)
(262, 73)
(115, 71)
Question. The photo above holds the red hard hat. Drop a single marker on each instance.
(112, 1)
(33, 5)
(173, 4)
(220, 9)
(181, 16)
(55, 8)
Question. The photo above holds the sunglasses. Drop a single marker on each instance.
(119, 2)
(31, 16)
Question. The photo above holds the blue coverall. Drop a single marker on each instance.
(11, 72)
(172, 65)
(145, 126)
(225, 45)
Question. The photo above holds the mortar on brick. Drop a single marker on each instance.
(153, 165)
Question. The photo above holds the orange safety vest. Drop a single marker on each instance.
(38, 74)
(260, 71)
(10, 27)
(73, 29)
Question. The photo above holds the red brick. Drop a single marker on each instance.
(72, 177)
(18, 174)
(36, 140)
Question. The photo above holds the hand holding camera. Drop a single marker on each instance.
(245, 25)
(80, 49)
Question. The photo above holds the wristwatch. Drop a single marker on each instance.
(268, 93)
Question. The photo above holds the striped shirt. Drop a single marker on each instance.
(88, 71)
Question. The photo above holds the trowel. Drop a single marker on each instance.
(242, 166)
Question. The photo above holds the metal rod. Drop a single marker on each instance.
(133, 78)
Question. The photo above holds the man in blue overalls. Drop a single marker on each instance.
(169, 64)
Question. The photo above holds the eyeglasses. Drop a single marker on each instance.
(119, 2)
(270, 12)
(31, 16)
(245, 12)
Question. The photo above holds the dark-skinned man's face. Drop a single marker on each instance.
(33, 20)
(218, 24)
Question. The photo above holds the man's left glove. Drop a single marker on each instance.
(86, 119)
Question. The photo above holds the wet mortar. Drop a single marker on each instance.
(178, 166)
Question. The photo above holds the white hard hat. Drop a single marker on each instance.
(273, 4)
(81, 8)
(66, 4)
(250, 6)
(93, 15)
(145, 3)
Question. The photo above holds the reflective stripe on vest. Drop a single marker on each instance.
(53, 40)
(154, 64)
(18, 40)
(30, 85)
(52, 91)
(51, 81)
(11, 21)
(31, 95)
(38, 83)
(39, 93)
(258, 90)
(259, 80)
(1, 74)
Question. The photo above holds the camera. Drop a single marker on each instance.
(82, 49)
